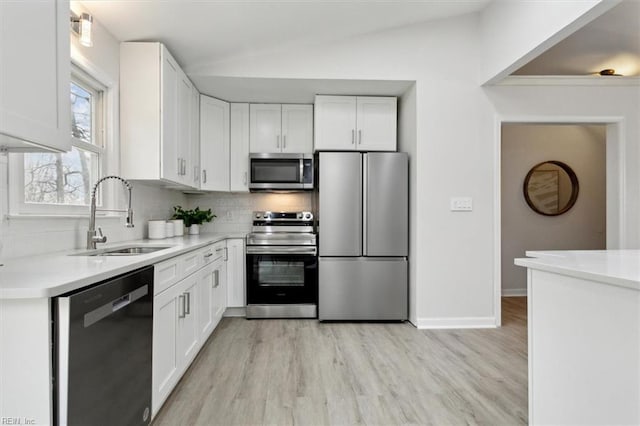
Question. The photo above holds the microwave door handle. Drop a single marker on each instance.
(301, 171)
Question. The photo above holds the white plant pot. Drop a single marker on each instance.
(194, 229)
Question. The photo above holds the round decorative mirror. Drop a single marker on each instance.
(551, 188)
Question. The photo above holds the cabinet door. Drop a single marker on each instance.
(239, 149)
(34, 75)
(297, 128)
(377, 122)
(219, 291)
(166, 362)
(194, 171)
(335, 123)
(265, 122)
(170, 159)
(184, 128)
(206, 283)
(214, 144)
(188, 335)
(235, 273)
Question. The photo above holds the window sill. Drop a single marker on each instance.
(37, 216)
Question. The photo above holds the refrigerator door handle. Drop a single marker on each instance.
(365, 201)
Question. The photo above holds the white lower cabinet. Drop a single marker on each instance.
(236, 273)
(175, 337)
(186, 309)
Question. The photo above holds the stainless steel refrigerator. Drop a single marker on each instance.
(363, 233)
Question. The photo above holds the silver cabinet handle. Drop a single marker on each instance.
(360, 137)
(196, 173)
(245, 178)
(278, 141)
(208, 255)
(179, 166)
(188, 310)
(216, 281)
(184, 167)
(226, 254)
(284, 142)
(353, 136)
(204, 176)
(181, 300)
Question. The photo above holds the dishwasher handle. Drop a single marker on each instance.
(109, 308)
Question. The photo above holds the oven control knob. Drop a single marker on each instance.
(299, 215)
(258, 216)
(307, 216)
(265, 216)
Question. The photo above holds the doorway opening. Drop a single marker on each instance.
(592, 148)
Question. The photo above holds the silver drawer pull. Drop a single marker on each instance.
(188, 310)
(208, 255)
(181, 300)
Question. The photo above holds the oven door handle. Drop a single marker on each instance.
(282, 250)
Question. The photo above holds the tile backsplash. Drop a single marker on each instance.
(234, 210)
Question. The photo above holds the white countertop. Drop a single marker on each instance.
(614, 267)
(54, 274)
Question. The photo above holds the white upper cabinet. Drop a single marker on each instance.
(377, 123)
(355, 123)
(214, 144)
(35, 111)
(297, 128)
(156, 123)
(239, 149)
(195, 138)
(276, 128)
(335, 123)
(265, 128)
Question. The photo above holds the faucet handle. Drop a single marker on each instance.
(101, 238)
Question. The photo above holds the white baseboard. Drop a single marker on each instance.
(461, 322)
(514, 292)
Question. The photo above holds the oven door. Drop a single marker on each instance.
(282, 275)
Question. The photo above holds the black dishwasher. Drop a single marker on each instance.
(102, 352)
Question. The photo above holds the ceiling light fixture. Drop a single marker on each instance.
(609, 71)
(81, 25)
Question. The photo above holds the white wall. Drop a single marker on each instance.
(23, 236)
(455, 152)
(583, 227)
(234, 210)
(515, 32)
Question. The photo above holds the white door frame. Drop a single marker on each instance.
(615, 186)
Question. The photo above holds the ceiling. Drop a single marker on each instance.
(201, 31)
(610, 41)
(198, 32)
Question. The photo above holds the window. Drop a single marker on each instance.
(61, 183)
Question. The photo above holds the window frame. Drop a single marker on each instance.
(100, 121)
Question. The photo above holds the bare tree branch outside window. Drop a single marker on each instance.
(65, 178)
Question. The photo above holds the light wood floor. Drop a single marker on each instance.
(282, 372)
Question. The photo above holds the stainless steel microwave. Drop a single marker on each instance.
(280, 171)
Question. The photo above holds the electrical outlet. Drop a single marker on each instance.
(461, 204)
(229, 215)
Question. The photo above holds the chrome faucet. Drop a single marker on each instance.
(92, 236)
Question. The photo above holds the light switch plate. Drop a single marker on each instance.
(461, 204)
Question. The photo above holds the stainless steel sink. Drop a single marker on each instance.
(123, 251)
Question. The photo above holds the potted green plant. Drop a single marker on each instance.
(193, 218)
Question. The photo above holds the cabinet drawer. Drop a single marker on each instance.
(171, 271)
(165, 274)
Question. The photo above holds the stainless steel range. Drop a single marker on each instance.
(282, 266)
